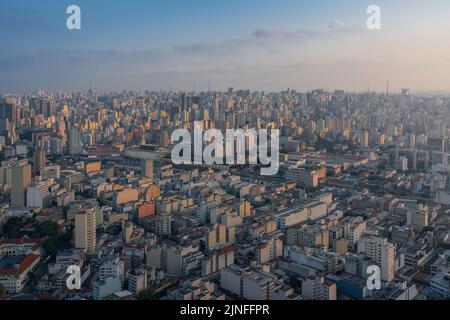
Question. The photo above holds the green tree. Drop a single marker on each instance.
(147, 294)
(47, 229)
(2, 289)
(51, 246)
(13, 225)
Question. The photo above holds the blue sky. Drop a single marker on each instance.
(265, 44)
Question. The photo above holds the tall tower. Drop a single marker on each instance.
(364, 139)
(85, 232)
(39, 160)
(75, 141)
(163, 225)
(216, 107)
(20, 180)
(147, 168)
(8, 111)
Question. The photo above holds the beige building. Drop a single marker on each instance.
(270, 249)
(357, 227)
(93, 167)
(245, 209)
(418, 218)
(85, 230)
(364, 139)
(20, 180)
(266, 225)
(147, 168)
(220, 235)
(127, 195)
(318, 288)
(340, 246)
(312, 236)
(153, 192)
(381, 252)
(217, 260)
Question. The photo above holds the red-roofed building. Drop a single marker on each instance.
(14, 271)
(22, 246)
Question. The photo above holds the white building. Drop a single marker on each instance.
(303, 177)
(259, 286)
(114, 268)
(104, 288)
(38, 196)
(248, 284)
(381, 252)
(137, 281)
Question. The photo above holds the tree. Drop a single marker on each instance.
(13, 225)
(2, 289)
(51, 246)
(147, 294)
(47, 229)
(55, 241)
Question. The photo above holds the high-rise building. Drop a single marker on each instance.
(85, 230)
(418, 218)
(6, 172)
(381, 139)
(20, 180)
(112, 268)
(411, 141)
(304, 177)
(49, 109)
(147, 168)
(39, 160)
(364, 139)
(75, 145)
(401, 164)
(245, 209)
(8, 111)
(355, 232)
(381, 252)
(137, 281)
(220, 235)
(318, 288)
(38, 196)
(163, 225)
(164, 138)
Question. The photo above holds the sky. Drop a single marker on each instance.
(265, 45)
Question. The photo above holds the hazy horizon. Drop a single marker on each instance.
(267, 46)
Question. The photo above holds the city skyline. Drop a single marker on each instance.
(261, 46)
(95, 204)
(224, 151)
